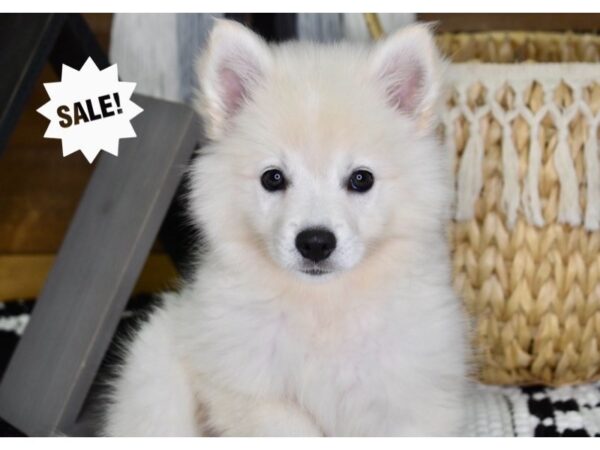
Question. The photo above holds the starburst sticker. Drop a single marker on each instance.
(90, 110)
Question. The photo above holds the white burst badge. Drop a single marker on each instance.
(90, 110)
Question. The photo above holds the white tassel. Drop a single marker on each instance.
(450, 147)
(592, 163)
(531, 196)
(510, 169)
(470, 174)
(568, 204)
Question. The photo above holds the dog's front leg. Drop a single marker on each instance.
(230, 413)
(152, 395)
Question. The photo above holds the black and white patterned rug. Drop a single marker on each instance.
(535, 411)
(491, 410)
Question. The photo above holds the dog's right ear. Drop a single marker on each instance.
(235, 62)
(408, 68)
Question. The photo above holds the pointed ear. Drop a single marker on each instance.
(407, 67)
(233, 64)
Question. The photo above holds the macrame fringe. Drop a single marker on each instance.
(524, 194)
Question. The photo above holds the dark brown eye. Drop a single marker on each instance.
(360, 181)
(273, 180)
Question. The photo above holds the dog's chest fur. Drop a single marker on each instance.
(340, 359)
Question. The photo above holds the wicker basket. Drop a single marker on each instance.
(526, 237)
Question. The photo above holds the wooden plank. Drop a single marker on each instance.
(23, 276)
(101, 258)
(25, 42)
(457, 22)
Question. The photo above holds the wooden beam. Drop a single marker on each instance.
(26, 42)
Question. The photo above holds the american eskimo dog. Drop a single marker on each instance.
(323, 306)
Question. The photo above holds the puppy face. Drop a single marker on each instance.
(321, 155)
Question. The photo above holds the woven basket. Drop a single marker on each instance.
(526, 240)
(526, 237)
(515, 47)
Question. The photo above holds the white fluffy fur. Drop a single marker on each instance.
(252, 346)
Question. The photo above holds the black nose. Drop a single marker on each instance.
(315, 244)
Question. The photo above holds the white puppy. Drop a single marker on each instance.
(324, 303)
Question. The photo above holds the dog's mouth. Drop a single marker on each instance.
(315, 271)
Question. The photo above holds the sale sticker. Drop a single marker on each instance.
(90, 110)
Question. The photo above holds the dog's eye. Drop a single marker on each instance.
(360, 181)
(273, 180)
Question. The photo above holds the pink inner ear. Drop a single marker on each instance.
(233, 90)
(404, 86)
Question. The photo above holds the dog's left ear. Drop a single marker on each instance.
(407, 67)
